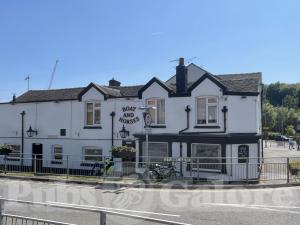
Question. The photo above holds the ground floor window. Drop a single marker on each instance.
(92, 154)
(157, 151)
(57, 152)
(15, 150)
(206, 157)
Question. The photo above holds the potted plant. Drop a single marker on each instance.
(5, 150)
(126, 153)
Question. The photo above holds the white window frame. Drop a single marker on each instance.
(54, 154)
(155, 110)
(207, 124)
(13, 157)
(86, 111)
(194, 158)
(91, 147)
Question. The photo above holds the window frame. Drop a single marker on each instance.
(156, 111)
(207, 124)
(54, 154)
(203, 169)
(91, 147)
(158, 142)
(86, 111)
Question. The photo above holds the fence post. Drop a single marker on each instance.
(1, 211)
(68, 172)
(198, 169)
(102, 218)
(287, 170)
(247, 170)
(35, 164)
(5, 164)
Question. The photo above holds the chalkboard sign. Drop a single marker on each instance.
(243, 153)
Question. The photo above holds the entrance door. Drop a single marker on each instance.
(37, 157)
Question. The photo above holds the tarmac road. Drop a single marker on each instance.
(235, 206)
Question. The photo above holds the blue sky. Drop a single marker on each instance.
(134, 40)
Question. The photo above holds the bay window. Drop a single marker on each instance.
(207, 157)
(207, 110)
(93, 114)
(158, 112)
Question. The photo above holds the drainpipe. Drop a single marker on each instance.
(225, 110)
(112, 114)
(22, 137)
(187, 109)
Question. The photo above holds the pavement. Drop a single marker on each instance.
(210, 207)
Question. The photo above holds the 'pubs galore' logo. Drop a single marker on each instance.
(129, 116)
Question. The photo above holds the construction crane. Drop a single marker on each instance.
(53, 74)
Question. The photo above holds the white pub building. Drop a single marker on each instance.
(194, 114)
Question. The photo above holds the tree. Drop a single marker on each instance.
(273, 94)
(290, 131)
(281, 119)
(269, 116)
(290, 101)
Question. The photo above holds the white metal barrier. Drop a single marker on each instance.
(4, 218)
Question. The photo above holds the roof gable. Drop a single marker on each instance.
(154, 80)
(202, 78)
(92, 85)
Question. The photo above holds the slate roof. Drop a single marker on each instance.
(49, 95)
(246, 82)
(128, 91)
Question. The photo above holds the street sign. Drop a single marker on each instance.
(147, 119)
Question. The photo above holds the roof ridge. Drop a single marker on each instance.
(56, 89)
(232, 74)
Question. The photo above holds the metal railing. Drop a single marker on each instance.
(199, 169)
(103, 214)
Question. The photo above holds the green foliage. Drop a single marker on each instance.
(290, 131)
(281, 104)
(118, 149)
(5, 149)
(281, 94)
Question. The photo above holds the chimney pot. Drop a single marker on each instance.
(114, 83)
(181, 61)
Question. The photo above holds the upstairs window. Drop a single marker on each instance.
(93, 114)
(157, 114)
(207, 110)
(57, 153)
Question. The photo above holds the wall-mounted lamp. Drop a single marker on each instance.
(30, 132)
(124, 133)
